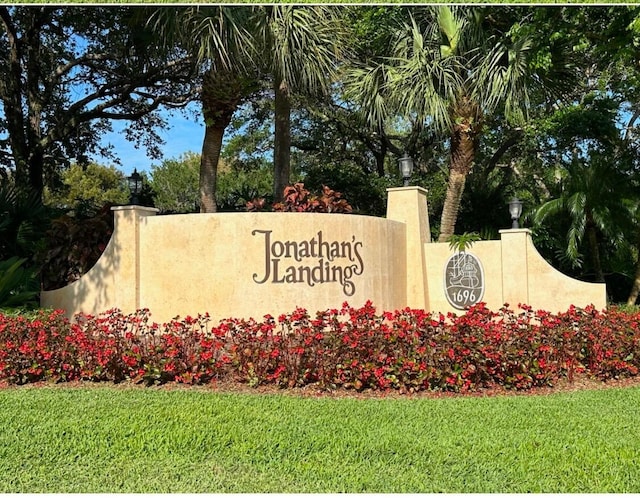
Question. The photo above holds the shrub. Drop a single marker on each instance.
(298, 199)
(18, 284)
(354, 348)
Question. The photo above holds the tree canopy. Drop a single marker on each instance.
(69, 72)
(490, 101)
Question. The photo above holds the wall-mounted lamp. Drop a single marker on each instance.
(135, 186)
(406, 168)
(515, 210)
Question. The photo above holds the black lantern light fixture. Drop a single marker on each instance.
(135, 186)
(405, 164)
(515, 210)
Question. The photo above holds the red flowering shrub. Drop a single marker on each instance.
(355, 348)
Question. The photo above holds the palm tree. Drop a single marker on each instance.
(301, 49)
(297, 47)
(595, 195)
(223, 47)
(221, 95)
(450, 73)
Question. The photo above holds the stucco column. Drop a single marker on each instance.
(126, 240)
(515, 266)
(409, 206)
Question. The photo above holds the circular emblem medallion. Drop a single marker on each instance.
(463, 280)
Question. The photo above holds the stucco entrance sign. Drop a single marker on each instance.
(463, 280)
(242, 265)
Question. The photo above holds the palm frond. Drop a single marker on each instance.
(504, 77)
(305, 44)
(548, 209)
(217, 35)
(366, 85)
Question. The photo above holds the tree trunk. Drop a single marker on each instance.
(222, 93)
(10, 93)
(211, 147)
(462, 155)
(380, 157)
(635, 288)
(592, 239)
(282, 140)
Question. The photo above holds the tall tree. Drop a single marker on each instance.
(451, 67)
(221, 41)
(68, 72)
(88, 189)
(302, 47)
(296, 47)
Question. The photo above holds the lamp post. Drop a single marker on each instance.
(405, 164)
(135, 186)
(515, 210)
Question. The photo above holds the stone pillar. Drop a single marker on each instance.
(409, 206)
(126, 261)
(515, 266)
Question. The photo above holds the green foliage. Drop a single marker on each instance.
(85, 66)
(596, 195)
(18, 284)
(250, 137)
(86, 189)
(462, 242)
(23, 222)
(366, 192)
(175, 184)
(236, 187)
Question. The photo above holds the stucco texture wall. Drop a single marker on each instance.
(514, 273)
(242, 265)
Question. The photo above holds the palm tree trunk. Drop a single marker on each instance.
(282, 139)
(211, 147)
(592, 239)
(462, 155)
(455, 189)
(635, 288)
(222, 92)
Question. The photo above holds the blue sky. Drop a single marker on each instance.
(183, 135)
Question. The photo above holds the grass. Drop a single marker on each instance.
(103, 439)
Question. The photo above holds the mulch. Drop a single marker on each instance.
(580, 383)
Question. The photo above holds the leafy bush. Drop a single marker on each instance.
(355, 348)
(236, 187)
(23, 222)
(18, 284)
(367, 192)
(298, 199)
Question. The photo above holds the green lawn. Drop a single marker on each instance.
(103, 439)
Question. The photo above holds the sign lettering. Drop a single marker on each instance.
(332, 261)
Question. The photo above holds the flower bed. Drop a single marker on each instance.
(358, 348)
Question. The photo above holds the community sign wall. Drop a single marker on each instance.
(246, 265)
